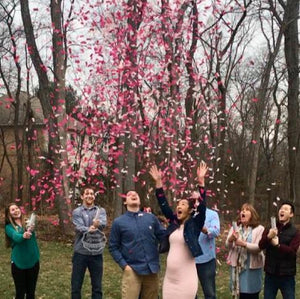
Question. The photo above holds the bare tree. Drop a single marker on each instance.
(52, 108)
(291, 49)
(288, 29)
(274, 47)
(9, 11)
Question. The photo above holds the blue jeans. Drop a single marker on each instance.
(273, 283)
(95, 265)
(207, 276)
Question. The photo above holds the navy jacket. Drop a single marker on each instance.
(192, 227)
(134, 240)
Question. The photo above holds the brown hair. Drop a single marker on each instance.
(124, 195)
(254, 220)
(84, 187)
(9, 220)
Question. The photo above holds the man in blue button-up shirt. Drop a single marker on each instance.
(206, 263)
(133, 244)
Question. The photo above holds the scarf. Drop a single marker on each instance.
(241, 260)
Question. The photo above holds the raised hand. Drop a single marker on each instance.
(27, 235)
(92, 229)
(96, 223)
(201, 172)
(275, 241)
(272, 233)
(234, 236)
(156, 175)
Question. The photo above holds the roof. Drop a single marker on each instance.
(7, 110)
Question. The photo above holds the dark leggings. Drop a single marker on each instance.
(25, 280)
(249, 296)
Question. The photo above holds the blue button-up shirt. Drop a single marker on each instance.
(207, 241)
(133, 241)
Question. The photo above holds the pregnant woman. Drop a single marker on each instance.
(181, 280)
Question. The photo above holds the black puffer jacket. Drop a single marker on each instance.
(281, 260)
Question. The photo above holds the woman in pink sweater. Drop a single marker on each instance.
(245, 258)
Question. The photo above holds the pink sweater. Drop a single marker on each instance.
(257, 257)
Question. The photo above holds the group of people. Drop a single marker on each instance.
(253, 247)
(138, 237)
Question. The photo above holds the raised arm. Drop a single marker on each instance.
(77, 220)
(290, 249)
(15, 236)
(201, 173)
(157, 176)
(160, 195)
(100, 219)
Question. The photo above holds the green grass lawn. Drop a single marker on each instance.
(55, 272)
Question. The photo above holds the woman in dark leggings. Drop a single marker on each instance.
(25, 252)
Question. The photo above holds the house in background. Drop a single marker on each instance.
(82, 150)
(30, 129)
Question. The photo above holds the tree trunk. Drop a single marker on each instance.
(119, 190)
(61, 158)
(291, 48)
(258, 117)
(56, 129)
